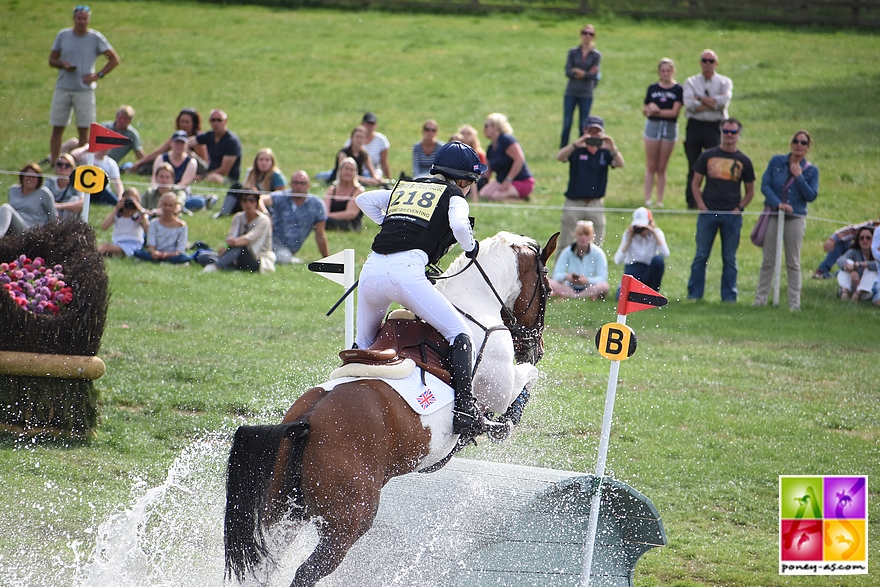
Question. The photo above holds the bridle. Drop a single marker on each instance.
(526, 339)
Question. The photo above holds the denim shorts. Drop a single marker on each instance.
(661, 130)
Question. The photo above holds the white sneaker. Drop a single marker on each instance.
(210, 268)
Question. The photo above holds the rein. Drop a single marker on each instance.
(517, 330)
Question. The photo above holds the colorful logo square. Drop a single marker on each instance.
(823, 525)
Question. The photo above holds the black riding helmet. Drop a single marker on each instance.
(458, 161)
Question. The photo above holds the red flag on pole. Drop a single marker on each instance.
(635, 296)
(101, 139)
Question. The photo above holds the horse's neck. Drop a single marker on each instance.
(475, 297)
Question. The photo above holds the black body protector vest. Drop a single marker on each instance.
(418, 218)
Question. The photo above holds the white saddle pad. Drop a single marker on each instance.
(423, 399)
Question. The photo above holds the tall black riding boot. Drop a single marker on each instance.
(466, 419)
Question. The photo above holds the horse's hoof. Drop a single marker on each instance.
(499, 431)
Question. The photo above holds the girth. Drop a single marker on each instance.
(401, 339)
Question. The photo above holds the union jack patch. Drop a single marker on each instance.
(426, 399)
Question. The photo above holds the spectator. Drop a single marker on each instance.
(643, 249)
(376, 145)
(355, 149)
(110, 194)
(706, 98)
(121, 125)
(339, 200)
(249, 240)
(789, 182)
(30, 202)
(189, 121)
(129, 224)
(662, 104)
(166, 235)
(74, 53)
(581, 270)
(721, 206)
(589, 159)
(183, 164)
(875, 252)
(263, 176)
(837, 244)
(582, 70)
(295, 213)
(165, 185)
(224, 151)
(68, 201)
(423, 151)
(506, 158)
(470, 138)
(858, 268)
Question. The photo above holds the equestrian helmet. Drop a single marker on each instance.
(456, 160)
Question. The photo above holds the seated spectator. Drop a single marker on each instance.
(838, 243)
(30, 202)
(166, 236)
(164, 178)
(249, 240)
(643, 249)
(423, 151)
(183, 164)
(468, 135)
(858, 268)
(295, 213)
(188, 121)
(110, 194)
(343, 212)
(129, 224)
(264, 176)
(224, 151)
(581, 270)
(377, 146)
(355, 150)
(513, 180)
(121, 125)
(875, 252)
(68, 201)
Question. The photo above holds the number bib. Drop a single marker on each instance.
(415, 200)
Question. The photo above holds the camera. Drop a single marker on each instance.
(593, 141)
(129, 204)
(639, 229)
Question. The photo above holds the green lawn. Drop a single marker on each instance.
(718, 401)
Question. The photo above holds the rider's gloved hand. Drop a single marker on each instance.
(473, 252)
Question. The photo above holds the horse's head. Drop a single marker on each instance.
(525, 319)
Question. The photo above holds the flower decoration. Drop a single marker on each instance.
(35, 286)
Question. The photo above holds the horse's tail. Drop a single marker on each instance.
(252, 461)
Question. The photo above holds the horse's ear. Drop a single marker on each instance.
(549, 248)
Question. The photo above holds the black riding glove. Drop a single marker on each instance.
(473, 252)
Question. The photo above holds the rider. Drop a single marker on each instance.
(420, 221)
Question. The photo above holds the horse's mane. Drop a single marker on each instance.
(492, 246)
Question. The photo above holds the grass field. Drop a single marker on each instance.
(718, 401)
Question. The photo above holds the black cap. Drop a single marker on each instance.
(370, 117)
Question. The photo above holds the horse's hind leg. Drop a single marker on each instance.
(333, 545)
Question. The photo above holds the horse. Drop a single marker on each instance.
(339, 444)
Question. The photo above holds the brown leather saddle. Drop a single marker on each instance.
(401, 339)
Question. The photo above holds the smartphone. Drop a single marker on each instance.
(593, 141)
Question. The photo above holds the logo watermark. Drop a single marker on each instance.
(823, 525)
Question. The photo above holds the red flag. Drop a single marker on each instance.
(101, 139)
(635, 296)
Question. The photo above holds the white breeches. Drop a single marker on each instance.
(400, 277)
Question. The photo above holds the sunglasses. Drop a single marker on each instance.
(81, 8)
(588, 33)
(800, 142)
(62, 163)
(729, 131)
(429, 129)
(707, 60)
(217, 120)
(866, 237)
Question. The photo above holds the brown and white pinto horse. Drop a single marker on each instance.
(335, 449)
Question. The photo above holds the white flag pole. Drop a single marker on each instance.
(596, 500)
(348, 281)
(777, 269)
(87, 198)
